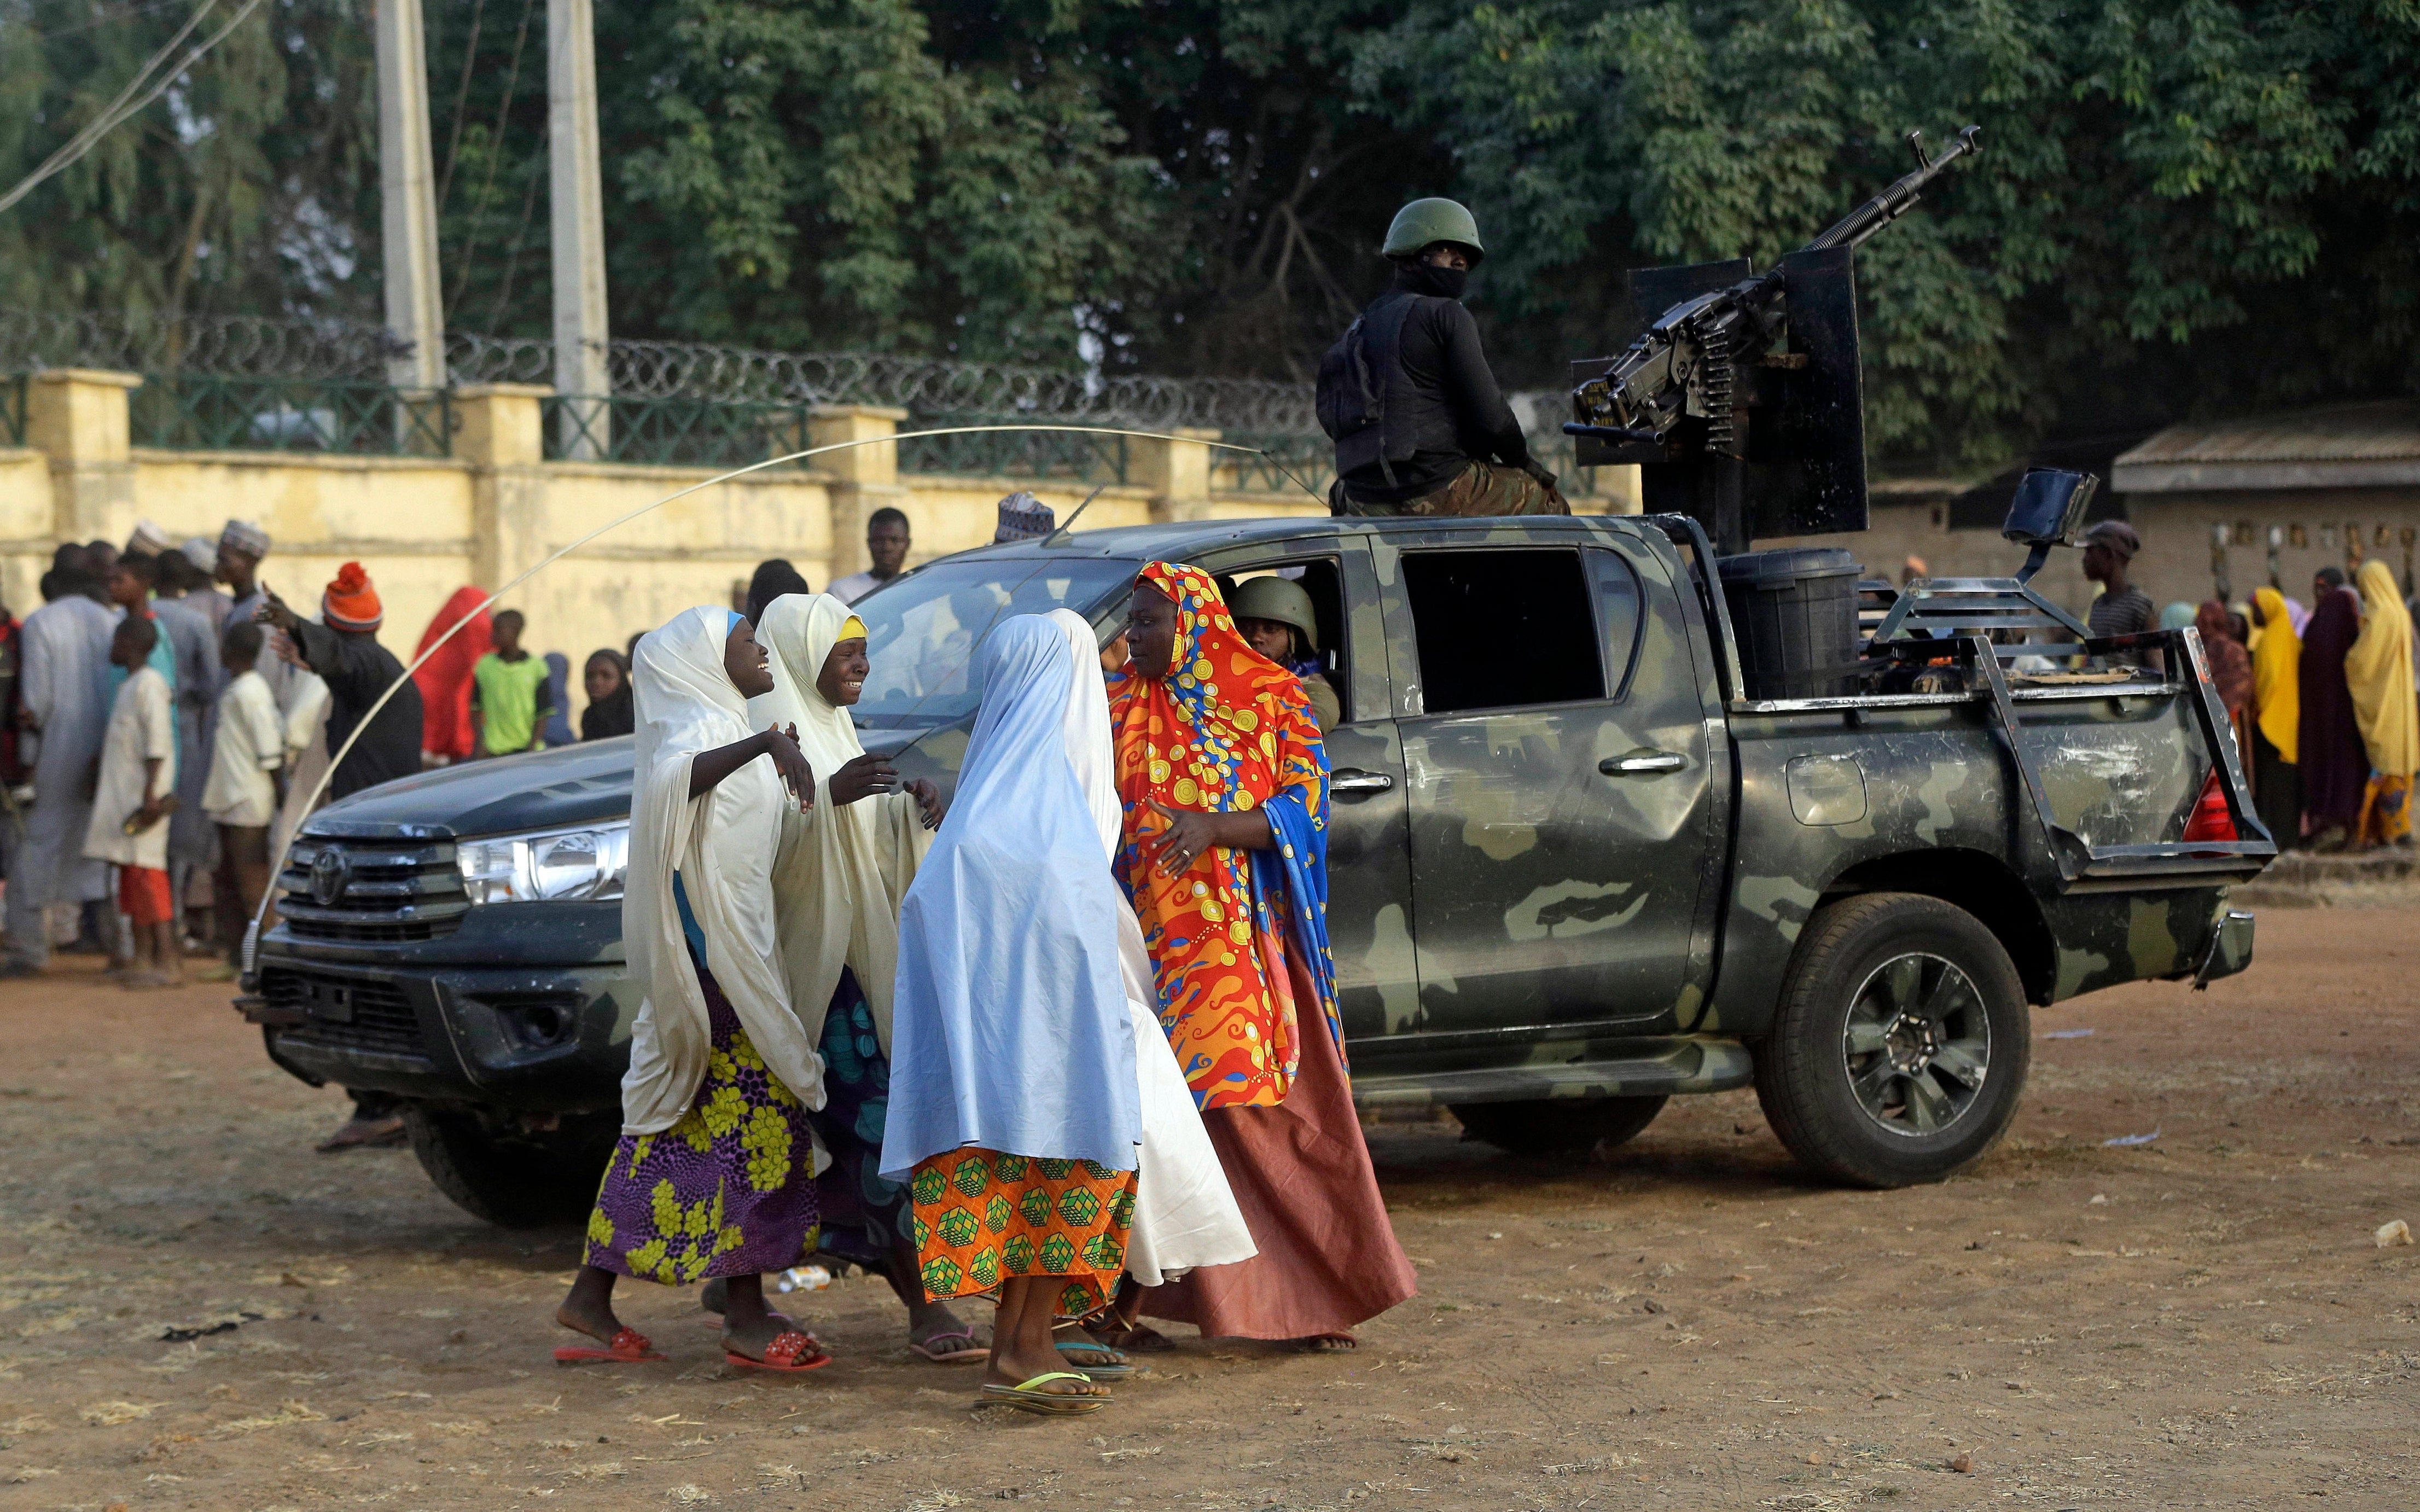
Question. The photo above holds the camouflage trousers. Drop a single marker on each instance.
(1479, 488)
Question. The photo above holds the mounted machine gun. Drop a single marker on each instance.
(1747, 439)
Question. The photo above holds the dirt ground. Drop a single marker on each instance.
(198, 1311)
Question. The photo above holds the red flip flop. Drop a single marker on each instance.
(630, 1347)
(782, 1356)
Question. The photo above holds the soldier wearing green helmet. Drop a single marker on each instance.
(1407, 396)
(1276, 618)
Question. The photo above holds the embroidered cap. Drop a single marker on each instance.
(1023, 517)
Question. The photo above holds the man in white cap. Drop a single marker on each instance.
(193, 581)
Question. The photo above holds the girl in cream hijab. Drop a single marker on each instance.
(714, 1173)
(838, 877)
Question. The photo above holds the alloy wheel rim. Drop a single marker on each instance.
(1917, 1048)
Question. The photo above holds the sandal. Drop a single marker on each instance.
(1094, 1357)
(629, 1346)
(791, 1353)
(1134, 1338)
(941, 1350)
(1025, 1399)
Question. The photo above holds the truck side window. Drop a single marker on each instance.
(1618, 607)
(1503, 629)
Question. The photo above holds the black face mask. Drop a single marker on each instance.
(1428, 278)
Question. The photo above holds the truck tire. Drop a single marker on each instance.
(1901, 1044)
(510, 1179)
(1557, 1126)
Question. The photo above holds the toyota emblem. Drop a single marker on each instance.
(330, 872)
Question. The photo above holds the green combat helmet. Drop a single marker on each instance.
(1424, 222)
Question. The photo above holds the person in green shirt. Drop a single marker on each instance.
(508, 693)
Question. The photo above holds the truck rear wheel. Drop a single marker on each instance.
(508, 1178)
(1557, 1126)
(1901, 1044)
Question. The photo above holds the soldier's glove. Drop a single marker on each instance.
(1538, 470)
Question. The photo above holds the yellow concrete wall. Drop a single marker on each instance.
(427, 526)
(28, 526)
(406, 520)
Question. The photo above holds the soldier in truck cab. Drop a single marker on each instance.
(1420, 426)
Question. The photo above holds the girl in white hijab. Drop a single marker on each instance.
(842, 868)
(1185, 1212)
(714, 1174)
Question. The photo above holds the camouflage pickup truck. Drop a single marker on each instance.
(1575, 868)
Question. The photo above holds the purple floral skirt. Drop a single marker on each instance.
(728, 1191)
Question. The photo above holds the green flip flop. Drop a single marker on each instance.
(1046, 1403)
(1101, 1362)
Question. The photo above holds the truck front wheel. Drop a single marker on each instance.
(509, 1179)
(1901, 1044)
(1557, 1126)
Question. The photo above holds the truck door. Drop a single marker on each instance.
(1560, 800)
(1369, 867)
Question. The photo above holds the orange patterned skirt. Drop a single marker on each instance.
(984, 1218)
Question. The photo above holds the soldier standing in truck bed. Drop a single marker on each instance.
(1420, 428)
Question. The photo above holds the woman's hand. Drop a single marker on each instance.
(1190, 833)
(862, 775)
(928, 801)
(782, 743)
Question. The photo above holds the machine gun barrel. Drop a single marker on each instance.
(1888, 206)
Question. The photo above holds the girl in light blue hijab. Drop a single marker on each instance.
(1015, 1109)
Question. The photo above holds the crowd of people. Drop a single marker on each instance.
(2322, 698)
(1070, 1042)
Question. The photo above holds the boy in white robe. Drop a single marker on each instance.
(247, 764)
(131, 801)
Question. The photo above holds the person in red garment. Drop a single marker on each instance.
(447, 734)
(1224, 783)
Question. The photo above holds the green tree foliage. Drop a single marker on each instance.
(2190, 204)
(250, 186)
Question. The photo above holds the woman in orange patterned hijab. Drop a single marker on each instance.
(1225, 787)
(1224, 782)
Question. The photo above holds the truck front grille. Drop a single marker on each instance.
(372, 892)
(345, 1011)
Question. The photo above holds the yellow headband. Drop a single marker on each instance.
(851, 628)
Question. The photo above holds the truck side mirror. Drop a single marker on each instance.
(2049, 504)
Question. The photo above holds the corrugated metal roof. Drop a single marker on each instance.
(2385, 430)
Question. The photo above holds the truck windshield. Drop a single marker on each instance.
(921, 629)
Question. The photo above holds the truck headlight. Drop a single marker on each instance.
(557, 863)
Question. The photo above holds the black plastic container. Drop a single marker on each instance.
(1794, 612)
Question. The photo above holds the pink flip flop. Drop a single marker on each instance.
(942, 1352)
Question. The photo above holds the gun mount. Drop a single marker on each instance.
(1741, 397)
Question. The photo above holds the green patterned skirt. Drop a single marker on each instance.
(984, 1218)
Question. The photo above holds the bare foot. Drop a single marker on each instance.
(590, 1315)
(1328, 1343)
(1015, 1370)
(1077, 1345)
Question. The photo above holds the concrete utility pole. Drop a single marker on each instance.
(576, 197)
(407, 197)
